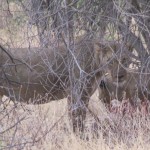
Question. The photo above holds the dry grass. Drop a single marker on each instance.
(47, 127)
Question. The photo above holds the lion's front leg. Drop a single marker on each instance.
(77, 113)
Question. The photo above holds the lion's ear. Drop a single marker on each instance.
(102, 53)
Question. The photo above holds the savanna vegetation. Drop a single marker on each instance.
(91, 54)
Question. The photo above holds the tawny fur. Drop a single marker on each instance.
(40, 75)
(121, 80)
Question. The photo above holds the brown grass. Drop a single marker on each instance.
(47, 127)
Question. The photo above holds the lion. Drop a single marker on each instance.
(122, 79)
(41, 75)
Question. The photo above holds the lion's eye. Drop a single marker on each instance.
(110, 63)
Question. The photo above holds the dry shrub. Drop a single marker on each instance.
(47, 127)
